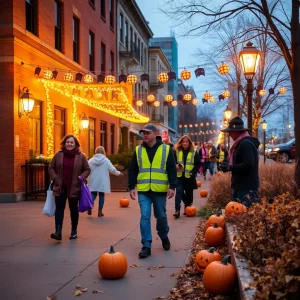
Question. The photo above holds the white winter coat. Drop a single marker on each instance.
(98, 180)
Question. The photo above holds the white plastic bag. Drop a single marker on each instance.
(49, 207)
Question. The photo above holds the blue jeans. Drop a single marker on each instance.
(211, 168)
(159, 207)
(246, 197)
(101, 198)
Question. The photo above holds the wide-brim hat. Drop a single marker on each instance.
(235, 124)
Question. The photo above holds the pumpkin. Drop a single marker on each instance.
(214, 235)
(190, 211)
(217, 218)
(219, 173)
(205, 257)
(203, 193)
(219, 277)
(124, 202)
(234, 209)
(199, 183)
(112, 265)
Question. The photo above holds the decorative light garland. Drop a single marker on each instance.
(74, 117)
(50, 123)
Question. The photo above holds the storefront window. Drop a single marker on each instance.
(103, 134)
(59, 126)
(92, 122)
(35, 130)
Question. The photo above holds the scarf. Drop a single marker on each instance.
(68, 164)
(204, 154)
(234, 145)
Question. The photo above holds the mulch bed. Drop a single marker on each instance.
(189, 282)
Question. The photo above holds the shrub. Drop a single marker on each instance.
(121, 161)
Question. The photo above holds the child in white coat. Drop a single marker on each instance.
(99, 182)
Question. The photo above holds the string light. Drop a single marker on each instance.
(74, 118)
(169, 98)
(262, 93)
(139, 103)
(195, 102)
(163, 77)
(156, 103)
(68, 77)
(132, 79)
(109, 79)
(174, 103)
(49, 124)
(187, 97)
(151, 98)
(282, 90)
(223, 69)
(226, 94)
(207, 96)
(48, 74)
(185, 74)
(88, 78)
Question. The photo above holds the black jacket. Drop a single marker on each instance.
(245, 165)
(133, 170)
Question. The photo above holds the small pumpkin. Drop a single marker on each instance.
(124, 202)
(205, 257)
(203, 193)
(217, 218)
(219, 277)
(214, 235)
(190, 211)
(234, 209)
(199, 183)
(112, 265)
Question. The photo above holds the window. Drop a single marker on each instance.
(58, 24)
(92, 3)
(131, 39)
(102, 8)
(121, 28)
(142, 55)
(92, 139)
(111, 62)
(103, 132)
(135, 43)
(59, 126)
(112, 138)
(145, 58)
(139, 49)
(103, 55)
(111, 14)
(92, 51)
(76, 39)
(35, 130)
(31, 16)
(126, 34)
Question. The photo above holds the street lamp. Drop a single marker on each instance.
(249, 58)
(227, 115)
(264, 128)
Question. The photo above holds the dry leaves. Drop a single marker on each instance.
(79, 290)
(156, 267)
(134, 266)
(51, 298)
(97, 292)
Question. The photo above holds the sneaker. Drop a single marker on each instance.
(177, 214)
(145, 252)
(73, 235)
(166, 243)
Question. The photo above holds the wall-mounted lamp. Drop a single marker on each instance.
(84, 120)
(26, 102)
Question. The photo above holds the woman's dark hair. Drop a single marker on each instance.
(63, 141)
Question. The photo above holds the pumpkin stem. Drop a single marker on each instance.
(216, 225)
(211, 250)
(111, 250)
(225, 260)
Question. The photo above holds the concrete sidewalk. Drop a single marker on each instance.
(32, 266)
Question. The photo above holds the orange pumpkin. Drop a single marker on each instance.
(124, 202)
(219, 173)
(190, 211)
(199, 183)
(214, 235)
(112, 265)
(217, 218)
(205, 257)
(234, 209)
(203, 193)
(219, 277)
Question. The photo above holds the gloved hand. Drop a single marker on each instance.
(225, 167)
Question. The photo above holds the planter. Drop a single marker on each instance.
(119, 183)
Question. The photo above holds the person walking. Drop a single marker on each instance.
(222, 155)
(187, 165)
(243, 163)
(65, 168)
(152, 178)
(203, 154)
(99, 181)
(212, 158)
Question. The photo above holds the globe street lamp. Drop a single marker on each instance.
(264, 125)
(249, 58)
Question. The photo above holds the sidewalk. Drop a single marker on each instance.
(32, 266)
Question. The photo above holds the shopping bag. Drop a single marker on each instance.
(86, 201)
(49, 207)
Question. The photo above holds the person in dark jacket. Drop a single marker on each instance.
(243, 163)
(152, 178)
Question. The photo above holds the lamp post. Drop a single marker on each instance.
(249, 58)
(227, 115)
(264, 128)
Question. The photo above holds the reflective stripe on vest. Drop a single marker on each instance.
(152, 176)
(189, 164)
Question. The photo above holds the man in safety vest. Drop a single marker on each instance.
(152, 177)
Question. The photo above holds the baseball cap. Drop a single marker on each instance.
(149, 127)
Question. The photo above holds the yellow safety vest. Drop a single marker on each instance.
(221, 156)
(189, 164)
(152, 176)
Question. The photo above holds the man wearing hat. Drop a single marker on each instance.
(152, 179)
(243, 163)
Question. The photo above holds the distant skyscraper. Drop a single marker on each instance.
(170, 48)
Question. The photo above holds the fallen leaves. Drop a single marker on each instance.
(97, 292)
(51, 298)
(79, 290)
(156, 267)
(134, 266)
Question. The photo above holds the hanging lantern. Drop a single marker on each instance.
(99, 95)
(282, 90)
(187, 97)
(185, 74)
(169, 98)
(68, 77)
(262, 92)
(195, 102)
(156, 103)
(109, 79)
(132, 79)
(201, 124)
(174, 103)
(223, 69)
(88, 78)
(150, 98)
(213, 123)
(139, 103)
(163, 77)
(207, 124)
(207, 95)
(48, 74)
(226, 94)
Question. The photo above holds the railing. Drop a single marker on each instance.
(132, 51)
(37, 179)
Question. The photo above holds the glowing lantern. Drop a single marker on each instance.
(226, 94)
(88, 78)
(187, 97)
(48, 74)
(185, 74)
(156, 103)
(132, 79)
(195, 102)
(163, 77)
(151, 98)
(169, 98)
(174, 103)
(262, 92)
(223, 69)
(212, 99)
(207, 96)
(68, 77)
(282, 90)
(109, 79)
(139, 103)
(99, 95)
